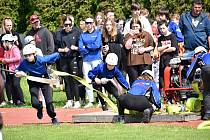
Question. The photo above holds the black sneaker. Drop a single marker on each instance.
(206, 116)
(55, 121)
(147, 115)
(104, 108)
(39, 114)
(121, 119)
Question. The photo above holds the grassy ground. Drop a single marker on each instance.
(103, 132)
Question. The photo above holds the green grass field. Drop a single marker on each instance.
(103, 132)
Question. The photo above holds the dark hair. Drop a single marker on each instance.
(197, 2)
(64, 18)
(136, 21)
(135, 6)
(164, 11)
(108, 10)
(162, 22)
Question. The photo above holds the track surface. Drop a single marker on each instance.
(21, 116)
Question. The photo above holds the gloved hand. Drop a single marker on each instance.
(104, 80)
(98, 81)
(20, 74)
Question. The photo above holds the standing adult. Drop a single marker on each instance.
(195, 27)
(43, 37)
(112, 41)
(135, 10)
(7, 28)
(66, 42)
(138, 44)
(90, 47)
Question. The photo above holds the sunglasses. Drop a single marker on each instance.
(88, 22)
(66, 25)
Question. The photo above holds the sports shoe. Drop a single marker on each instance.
(89, 105)
(206, 116)
(39, 114)
(104, 108)
(77, 104)
(3, 104)
(69, 104)
(55, 121)
(147, 115)
(121, 119)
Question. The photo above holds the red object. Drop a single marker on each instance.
(34, 18)
(171, 90)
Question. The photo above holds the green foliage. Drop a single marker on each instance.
(50, 10)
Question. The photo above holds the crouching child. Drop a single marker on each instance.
(143, 97)
(35, 65)
(103, 76)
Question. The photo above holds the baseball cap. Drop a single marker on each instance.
(34, 18)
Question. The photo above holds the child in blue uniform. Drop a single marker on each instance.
(36, 66)
(102, 74)
(202, 61)
(143, 96)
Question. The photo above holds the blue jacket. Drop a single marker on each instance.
(38, 68)
(201, 60)
(101, 71)
(140, 87)
(174, 28)
(90, 46)
(195, 36)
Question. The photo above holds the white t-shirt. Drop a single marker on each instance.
(146, 26)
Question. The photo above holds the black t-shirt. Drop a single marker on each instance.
(166, 57)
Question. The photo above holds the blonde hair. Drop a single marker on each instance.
(145, 76)
(113, 33)
(3, 24)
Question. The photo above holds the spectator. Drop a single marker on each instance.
(90, 47)
(109, 13)
(173, 27)
(66, 43)
(112, 41)
(167, 46)
(138, 44)
(36, 66)
(30, 40)
(7, 28)
(43, 37)
(163, 14)
(99, 21)
(135, 10)
(195, 27)
(143, 96)
(120, 25)
(12, 60)
(82, 25)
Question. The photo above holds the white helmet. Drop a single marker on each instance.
(112, 59)
(28, 39)
(200, 49)
(29, 49)
(8, 37)
(148, 72)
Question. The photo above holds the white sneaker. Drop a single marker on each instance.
(11, 101)
(89, 105)
(3, 104)
(69, 104)
(77, 104)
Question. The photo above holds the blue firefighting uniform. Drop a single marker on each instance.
(202, 61)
